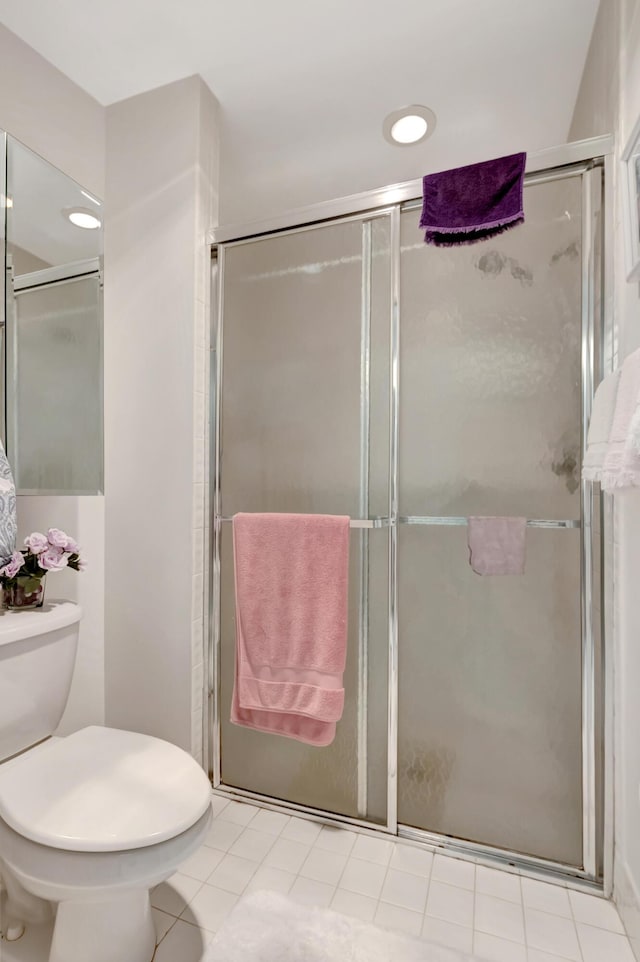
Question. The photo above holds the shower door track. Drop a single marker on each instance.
(527, 865)
(550, 165)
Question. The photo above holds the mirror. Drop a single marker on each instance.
(51, 350)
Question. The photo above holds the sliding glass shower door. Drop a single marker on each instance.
(304, 428)
(490, 720)
(361, 372)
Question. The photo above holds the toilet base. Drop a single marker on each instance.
(118, 929)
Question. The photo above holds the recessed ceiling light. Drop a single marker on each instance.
(81, 217)
(409, 125)
(409, 129)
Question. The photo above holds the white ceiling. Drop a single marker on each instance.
(304, 87)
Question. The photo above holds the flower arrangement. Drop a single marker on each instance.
(22, 577)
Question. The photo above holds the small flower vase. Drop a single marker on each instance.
(23, 592)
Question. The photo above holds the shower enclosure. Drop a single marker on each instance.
(357, 371)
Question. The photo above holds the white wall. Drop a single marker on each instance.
(161, 190)
(161, 198)
(609, 101)
(84, 519)
(50, 114)
(628, 530)
(54, 117)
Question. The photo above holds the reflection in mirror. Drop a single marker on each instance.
(53, 312)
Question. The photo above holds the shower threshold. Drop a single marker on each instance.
(527, 866)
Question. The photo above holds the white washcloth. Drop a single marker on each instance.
(604, 405)
(622, 463)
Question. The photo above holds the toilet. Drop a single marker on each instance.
(91, 822)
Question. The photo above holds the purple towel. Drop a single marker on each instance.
(469, 204)
(497, 545)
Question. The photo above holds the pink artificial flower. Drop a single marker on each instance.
(58, 538)
(12, 567)
(36, 542)
(53, 559)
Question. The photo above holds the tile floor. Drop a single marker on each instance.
(496, 915)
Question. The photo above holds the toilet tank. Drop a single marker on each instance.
(37, 657)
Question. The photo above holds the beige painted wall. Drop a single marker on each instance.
(609, 101)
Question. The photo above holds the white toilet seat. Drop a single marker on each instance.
(103, 790)
(58, 875)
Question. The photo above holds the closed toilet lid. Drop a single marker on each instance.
(103, 790)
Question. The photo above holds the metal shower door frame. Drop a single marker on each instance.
(586, 159)
(591, 172)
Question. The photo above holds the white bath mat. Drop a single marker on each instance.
(267, 927)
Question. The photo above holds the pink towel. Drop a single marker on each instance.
(291, 578)
(497, 545)
(622, 462)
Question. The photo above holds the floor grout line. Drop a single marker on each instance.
(426, 904)
(524, 924)
(473, 910)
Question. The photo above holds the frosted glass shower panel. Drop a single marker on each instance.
(490, 412)
(56, 414)
(490, 694)
(292, 380)
(490, 712)
(304, 429)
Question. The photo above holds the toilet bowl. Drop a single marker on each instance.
(89, 823)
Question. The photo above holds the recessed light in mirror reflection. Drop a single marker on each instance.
(80, 217)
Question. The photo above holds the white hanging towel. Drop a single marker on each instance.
(634, 430)
(622, 463)
(604, 404)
